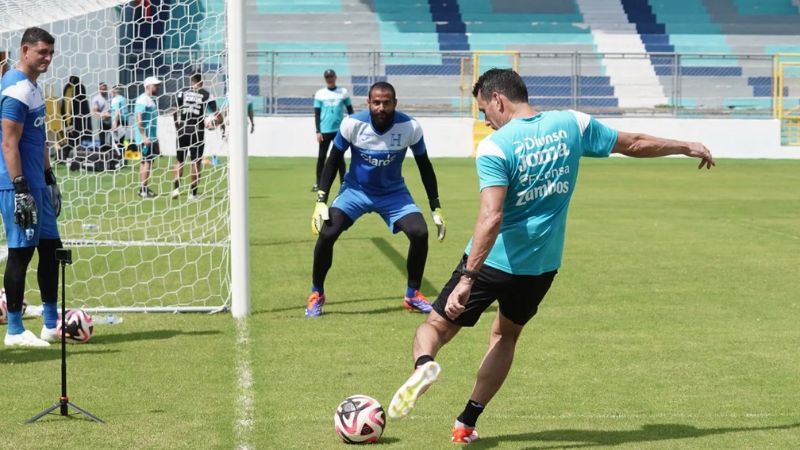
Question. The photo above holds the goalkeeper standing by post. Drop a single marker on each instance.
(29, 197)
(378, 139)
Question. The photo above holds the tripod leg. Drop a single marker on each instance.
(44, 413)
(84, 412)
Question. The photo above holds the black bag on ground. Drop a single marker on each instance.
(96, 160)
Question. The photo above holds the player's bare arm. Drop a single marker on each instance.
(639, 145)
(140, 124)
(487, 227)
(12, 132)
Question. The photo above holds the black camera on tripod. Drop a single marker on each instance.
(64, 255)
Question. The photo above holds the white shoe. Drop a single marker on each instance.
(26, 339)
(49, 334)
(193, 197)
(406, 397)
(175, 194)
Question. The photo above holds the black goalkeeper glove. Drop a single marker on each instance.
(55, 192)
(25, 214)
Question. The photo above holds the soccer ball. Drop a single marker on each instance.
(78, 328)
(212, 121)
(4, 306)
(359, 419)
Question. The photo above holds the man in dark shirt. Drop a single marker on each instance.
(192, 105)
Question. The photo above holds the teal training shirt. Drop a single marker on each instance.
(149, 110)
(333, 104)
(537, 159)
(120, 103)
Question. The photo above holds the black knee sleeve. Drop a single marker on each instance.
(414, 226)
(47, 273)
(14, 278)
(323, 251)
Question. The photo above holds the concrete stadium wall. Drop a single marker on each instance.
(449, 137)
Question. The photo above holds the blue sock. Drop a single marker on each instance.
(50, 313)
(410, 292)
(15, 323)
(319, 289)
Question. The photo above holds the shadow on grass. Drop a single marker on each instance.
(310, 239)
(332, 304)
(148, 335)
(399, 262)
(24, 356)
(386, 441)
(593, 438)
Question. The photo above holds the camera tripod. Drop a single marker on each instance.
(64, 256)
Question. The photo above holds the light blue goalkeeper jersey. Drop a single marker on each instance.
(22, 101)
(537, 159)
(377, 161)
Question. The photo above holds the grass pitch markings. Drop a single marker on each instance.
(245, 402)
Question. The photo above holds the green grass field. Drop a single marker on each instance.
(673, 323)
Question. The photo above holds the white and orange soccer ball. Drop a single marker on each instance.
(4, 306)
(359, 419)
(78, 327)
(212, 121)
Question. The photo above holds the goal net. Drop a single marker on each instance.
(131, 253)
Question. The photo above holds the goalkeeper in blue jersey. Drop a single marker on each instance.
(378, 139)
(527, 170)
(30, 199)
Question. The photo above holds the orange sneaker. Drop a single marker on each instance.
(314, 305)
(463, 434)
(417, 303)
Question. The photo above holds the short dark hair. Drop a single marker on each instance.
(35, 34)
(383, 86)
(503, 81)
(196, 78)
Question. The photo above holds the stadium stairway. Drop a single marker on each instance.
(634, 79)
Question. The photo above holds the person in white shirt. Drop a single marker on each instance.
(101, 108)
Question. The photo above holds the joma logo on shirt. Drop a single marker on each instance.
(377, 162)
(543, 190)
(543, 156)
(39, 122)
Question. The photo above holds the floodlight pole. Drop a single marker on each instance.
(64, 256)
(237, 177)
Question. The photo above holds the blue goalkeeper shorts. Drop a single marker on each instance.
(391, 207)
(46, 227)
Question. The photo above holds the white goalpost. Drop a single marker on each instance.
(130, 253)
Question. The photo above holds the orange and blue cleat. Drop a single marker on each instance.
(417, 303)
(463, 434)
(314, 305)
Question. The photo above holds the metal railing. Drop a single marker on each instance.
(440, 83)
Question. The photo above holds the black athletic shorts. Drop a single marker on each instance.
(194, 143)
(518, 295)
(150, 152)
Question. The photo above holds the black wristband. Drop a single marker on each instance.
(471, 274)
(20, 185)
(434, 202)
(49, 177)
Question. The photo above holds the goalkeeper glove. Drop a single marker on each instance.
(25, 214)
(55, 192)
(320, 213)
(441, 224)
